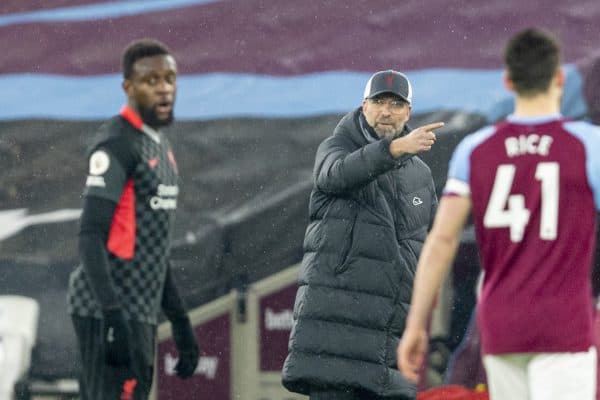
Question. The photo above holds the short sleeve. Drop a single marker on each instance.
(107, 174)
(590, 137)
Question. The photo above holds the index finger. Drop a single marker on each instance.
(432, 126)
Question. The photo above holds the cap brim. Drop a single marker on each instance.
(390, 92)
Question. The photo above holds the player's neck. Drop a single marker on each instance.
(536, 106)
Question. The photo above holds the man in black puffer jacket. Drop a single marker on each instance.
(371, 206)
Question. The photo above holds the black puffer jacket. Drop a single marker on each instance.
(369, 215)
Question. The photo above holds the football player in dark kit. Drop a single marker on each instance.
(123, 281)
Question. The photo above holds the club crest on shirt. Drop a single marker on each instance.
(153, 162)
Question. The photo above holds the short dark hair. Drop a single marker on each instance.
(141, 48)
(532, 58)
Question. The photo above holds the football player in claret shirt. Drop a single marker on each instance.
(532, 184)
(124, 280)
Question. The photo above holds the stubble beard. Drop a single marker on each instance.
(150, 118)
(389, 133)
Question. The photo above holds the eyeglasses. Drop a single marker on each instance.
(395, 106)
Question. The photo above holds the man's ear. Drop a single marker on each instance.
(560, 77)
(127, 87)
(508, 83)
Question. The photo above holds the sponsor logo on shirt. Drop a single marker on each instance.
(165, 198)
(153, 162)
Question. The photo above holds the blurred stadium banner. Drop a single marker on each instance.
(243, 338)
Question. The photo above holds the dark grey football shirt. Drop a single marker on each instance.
(133, 166)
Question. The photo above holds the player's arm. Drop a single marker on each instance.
(596, 264)
(110, 165)
(183, 334)
(171, 302)
(96, 219)
(435, 261)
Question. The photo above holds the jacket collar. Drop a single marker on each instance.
(366, 129)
